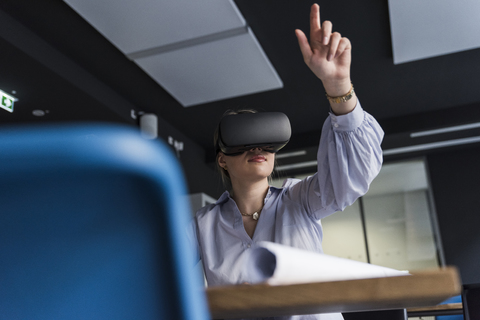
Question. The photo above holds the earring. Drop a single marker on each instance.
(225, 168)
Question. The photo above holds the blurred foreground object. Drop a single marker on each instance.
(92, 227)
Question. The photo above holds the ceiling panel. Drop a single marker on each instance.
(198, 51)
(429, 28)
(213, 71)
(139, 25)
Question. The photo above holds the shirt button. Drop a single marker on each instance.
(249, 245)
(336, 125)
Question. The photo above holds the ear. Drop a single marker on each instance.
(221, 160)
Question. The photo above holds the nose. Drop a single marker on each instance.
(257, 149)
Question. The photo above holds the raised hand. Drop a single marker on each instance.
(327, 54)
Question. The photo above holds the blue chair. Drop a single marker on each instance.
(92, 226)
(454, 299)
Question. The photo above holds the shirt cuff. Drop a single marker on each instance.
(349, 121)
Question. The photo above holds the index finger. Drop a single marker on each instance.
(314, 18)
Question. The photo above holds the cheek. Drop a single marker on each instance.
(272, 165)
(272, 160)
(235, 162)
(233, 165)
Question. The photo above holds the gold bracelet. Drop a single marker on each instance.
(343, 98)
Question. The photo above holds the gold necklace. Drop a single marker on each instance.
(254, 215)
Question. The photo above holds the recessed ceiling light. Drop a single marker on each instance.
(445, 130)
(38, 113)
(290, 154)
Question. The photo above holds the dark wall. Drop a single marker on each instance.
(200, 176)
(455, 179)
(89, 97)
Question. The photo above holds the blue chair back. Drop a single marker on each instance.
(92, 226)
(454, 299)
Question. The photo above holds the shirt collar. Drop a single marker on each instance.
(226, 195)
(223, 198)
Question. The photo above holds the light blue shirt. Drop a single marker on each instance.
(349, 157)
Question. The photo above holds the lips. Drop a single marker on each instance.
(257, 159)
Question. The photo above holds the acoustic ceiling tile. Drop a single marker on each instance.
(429, 28)
(139, 25)
(215, 70)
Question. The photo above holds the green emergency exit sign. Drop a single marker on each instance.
(6, 101)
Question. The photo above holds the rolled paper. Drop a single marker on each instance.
(277, 264)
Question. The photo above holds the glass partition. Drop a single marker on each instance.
(343, 234)
(391, 225)
(399, 227)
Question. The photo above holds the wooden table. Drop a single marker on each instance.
(426, 288)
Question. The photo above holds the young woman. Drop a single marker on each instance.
(349, 157)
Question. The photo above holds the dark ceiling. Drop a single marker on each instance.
(56, 62)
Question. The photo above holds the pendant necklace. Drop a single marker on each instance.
(254, 215)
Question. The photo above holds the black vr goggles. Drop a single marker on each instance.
(241, 132)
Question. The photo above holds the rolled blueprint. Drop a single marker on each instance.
(277, 264)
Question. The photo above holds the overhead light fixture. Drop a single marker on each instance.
(432, 145)
(394, 151)
(299, 165)
(290, 154)
(445, 130)
(38, 113)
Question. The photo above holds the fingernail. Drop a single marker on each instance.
(325, 40)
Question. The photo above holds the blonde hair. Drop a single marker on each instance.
(227, 182)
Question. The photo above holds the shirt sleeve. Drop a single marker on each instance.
(349, 158)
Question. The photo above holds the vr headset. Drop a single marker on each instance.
(238, 133)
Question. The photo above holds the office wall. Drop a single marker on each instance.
(455, 180)
(200, 176)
